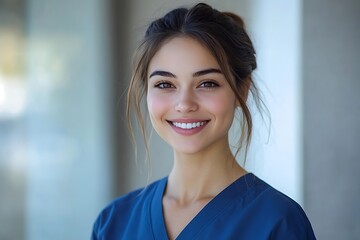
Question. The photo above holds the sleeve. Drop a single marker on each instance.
(94, 234)
(95, 230)
(102, 223)
(295, 226)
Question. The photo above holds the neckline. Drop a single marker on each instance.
(207, 214)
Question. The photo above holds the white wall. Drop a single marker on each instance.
(275, 28)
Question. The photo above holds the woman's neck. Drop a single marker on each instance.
(203, 175)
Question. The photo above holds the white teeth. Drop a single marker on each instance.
(188, 125)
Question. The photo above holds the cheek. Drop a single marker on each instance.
(223, 105)
(157, 106)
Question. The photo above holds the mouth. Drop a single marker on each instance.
(188, 125)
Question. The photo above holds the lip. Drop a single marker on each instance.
(188, 120)
(187, 132)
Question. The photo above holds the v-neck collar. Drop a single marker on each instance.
(156, 213)
(207, 215)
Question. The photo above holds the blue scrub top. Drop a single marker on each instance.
(249, 208)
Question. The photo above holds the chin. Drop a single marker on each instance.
(188, 150)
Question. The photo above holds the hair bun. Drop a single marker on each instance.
(236, 18)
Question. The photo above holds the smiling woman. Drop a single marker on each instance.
(192, 105)
(194, 68)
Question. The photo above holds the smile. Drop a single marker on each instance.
(183, 125)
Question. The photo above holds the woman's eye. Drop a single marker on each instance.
(164, 85)
(209, 85)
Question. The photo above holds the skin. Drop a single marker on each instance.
(185, 84)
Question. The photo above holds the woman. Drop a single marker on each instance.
(194, 67)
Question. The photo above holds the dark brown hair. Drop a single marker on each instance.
(223, 34)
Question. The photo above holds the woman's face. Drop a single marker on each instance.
(190, 103)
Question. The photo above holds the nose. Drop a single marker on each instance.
(186, 102)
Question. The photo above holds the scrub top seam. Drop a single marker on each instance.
(212, 220)
(229, 204)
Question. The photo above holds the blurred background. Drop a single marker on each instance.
(64, 147)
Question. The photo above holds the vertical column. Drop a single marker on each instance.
(275, 28)
(12, 107)
(331, 116)
(69, 159)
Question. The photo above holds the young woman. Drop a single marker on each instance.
(194, 68)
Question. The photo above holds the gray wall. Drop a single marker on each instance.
(331, 57)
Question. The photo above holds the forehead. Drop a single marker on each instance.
(182, 55)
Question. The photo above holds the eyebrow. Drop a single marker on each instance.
(196, 74)
(163, 74)
(207, 71)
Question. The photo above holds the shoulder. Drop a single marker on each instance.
(131, 200)
(286, 216)
(128, 206)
